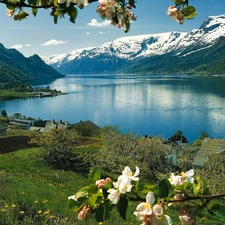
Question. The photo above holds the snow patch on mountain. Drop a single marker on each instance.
(132, 47)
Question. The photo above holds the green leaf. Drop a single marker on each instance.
(91, 189)
(10, 7)
(95, 199)
(95, 174)
(108, 208)
(200, 187)
(75, 205)
(122, 206)
(23, 15)
(115, 17)
(99, 215)
(80, 196)
(217, 211)
(56, 14)
(34, 11)
(126, 21)
(31, 2)
(189, 12)
(165, 189)
(106, 188)
(131, 2)
(181, 2)
(73, 12)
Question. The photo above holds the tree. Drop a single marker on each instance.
(203, 134)
(57, 145)
(4, 113)
(150, 154)
(118, 11)
(178, 133)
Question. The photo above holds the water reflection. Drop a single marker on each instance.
(142, 104)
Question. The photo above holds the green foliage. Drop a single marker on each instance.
(95, 174)
(165, 189)
(178, 133)
(4, 113)
(58, 146)
(189, 12)
(17, 69)
(84, 131)
(149, 154)
(217, 211)
(203, 134)
(109, 129)
(198, 142)
(213, 172)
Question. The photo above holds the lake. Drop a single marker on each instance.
(143, 104)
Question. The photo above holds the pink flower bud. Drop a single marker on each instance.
(82, 215)
(107, 180)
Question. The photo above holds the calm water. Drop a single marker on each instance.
(153, 105)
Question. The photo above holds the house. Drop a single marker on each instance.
(86, 128)
(209, 146)
(46, 125)
(179, 139)
(174, 149)
(2, 129)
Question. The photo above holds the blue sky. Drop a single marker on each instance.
(39, 35)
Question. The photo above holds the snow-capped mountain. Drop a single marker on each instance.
(145, 53)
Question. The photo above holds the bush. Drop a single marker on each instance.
(58, 146)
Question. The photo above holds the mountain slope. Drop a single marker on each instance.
(200, 51)
(15, 67)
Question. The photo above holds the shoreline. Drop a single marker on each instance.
(4, 96)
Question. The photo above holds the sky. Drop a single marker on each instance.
(39, 35)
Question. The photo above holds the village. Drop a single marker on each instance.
(175, 144)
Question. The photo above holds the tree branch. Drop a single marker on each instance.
(23, 4)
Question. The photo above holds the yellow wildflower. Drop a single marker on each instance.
(46, 212)
(39, 211)
(21, 212)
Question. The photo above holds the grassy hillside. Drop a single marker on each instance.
(31, 193)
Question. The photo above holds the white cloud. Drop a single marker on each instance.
(17, 46)
(100, 32)
(54, 42)
(87, 32)
(27, 45)
(95, 23)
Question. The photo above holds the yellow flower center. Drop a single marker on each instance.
(146, 206)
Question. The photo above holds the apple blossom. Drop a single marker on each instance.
(151, 215)
(114, 195)
(180, 179)
(128, 173)
(10, 12)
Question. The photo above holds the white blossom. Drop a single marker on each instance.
(114, 195)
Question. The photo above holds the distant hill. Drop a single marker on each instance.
(200, 51)
(16, 68)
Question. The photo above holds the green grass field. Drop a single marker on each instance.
(4, 95)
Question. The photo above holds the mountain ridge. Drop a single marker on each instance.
(16, 68)
(126, 54)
